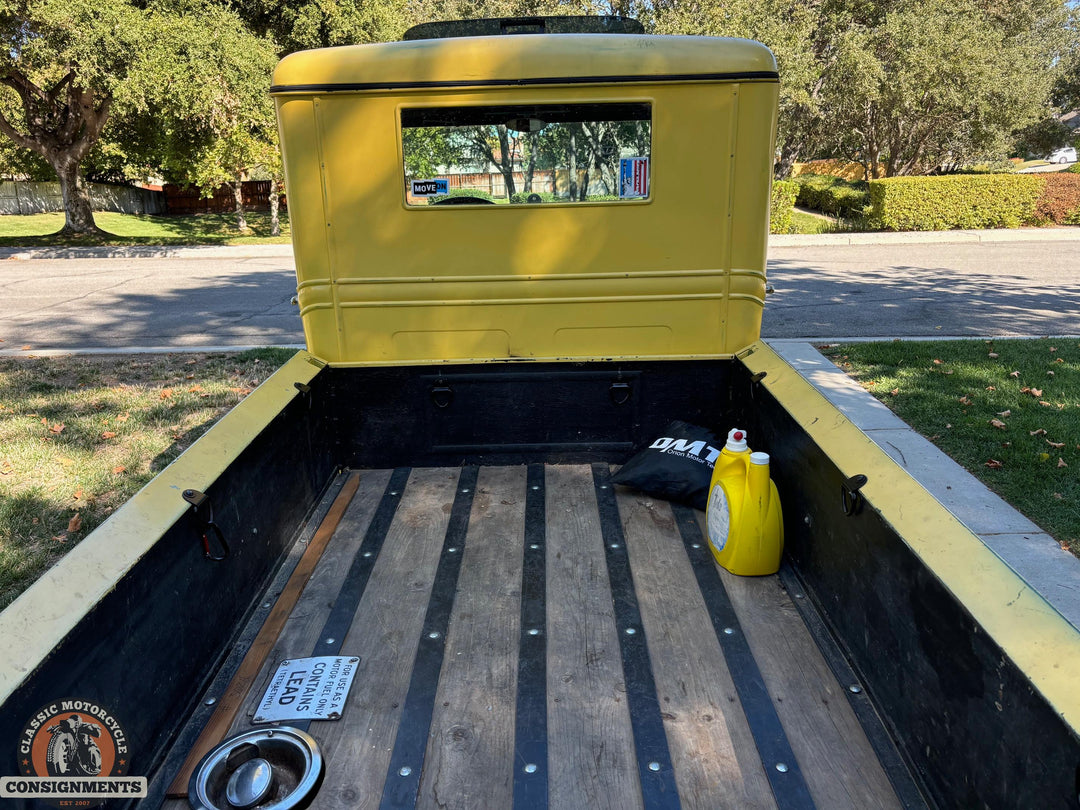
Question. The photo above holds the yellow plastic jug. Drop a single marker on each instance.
(742, 516)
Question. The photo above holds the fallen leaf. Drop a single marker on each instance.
(998, 424)
(108, 434)
(1058, 445)
(994, 464)
(1044, 456)
(993, 355)
(1061, 463)
(1036, 392)
(119, 468)
(1059, 360)
(123, 417)
(964, 400)
(990, 388)
(1049, 374)
(190, 377)
(6, 467)
(1046, 404)
(1039, 432)
(1025, 390)
(78, 494)
(1014, 374)
(75, 523)
(191, 362)
(1059, 496)
(1004, 414)
(948, 426)
(166, 393)
(26, 348)
(1053, 348)
(60, 538)
(195, 389)
(937, 362)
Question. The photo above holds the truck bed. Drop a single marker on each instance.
(532, 636)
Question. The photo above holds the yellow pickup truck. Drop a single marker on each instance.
(399, 574)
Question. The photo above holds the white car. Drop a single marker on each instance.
(1066, 154)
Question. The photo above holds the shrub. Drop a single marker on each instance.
(832, 195)
(781, 204)
(954, 201)
(1060, 199)
(519, 198)
(1075, 168)
(461, 192)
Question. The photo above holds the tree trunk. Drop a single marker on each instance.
(789, 156)
(506, 161)
(63, 123)
(275, 223)
(238, 195)
(78, 211)
(571, 184)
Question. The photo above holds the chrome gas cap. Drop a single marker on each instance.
(269, 768)
(250, 784)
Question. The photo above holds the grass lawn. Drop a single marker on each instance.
(1006, 410)
(40, 230)
(81, 435)
(808, 223)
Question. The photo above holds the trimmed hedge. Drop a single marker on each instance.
(461, 192)
(954, 201)
(832, 195)
(781, 204)
(1060, 199)
(520, 197)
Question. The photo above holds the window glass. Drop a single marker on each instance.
(527, 154)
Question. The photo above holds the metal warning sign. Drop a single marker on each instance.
(308, 689)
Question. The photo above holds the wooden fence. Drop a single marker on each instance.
(189, 199)
(23, 197)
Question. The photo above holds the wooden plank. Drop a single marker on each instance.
(233, 697)
(301, 632)
(469, 762)
(591, 753)
(385, 636)
(713, 752)
(837, 761)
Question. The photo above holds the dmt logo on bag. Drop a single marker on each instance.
(699, 451)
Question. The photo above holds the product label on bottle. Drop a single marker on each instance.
(719, 518)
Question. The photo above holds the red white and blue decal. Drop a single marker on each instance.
(633, 177)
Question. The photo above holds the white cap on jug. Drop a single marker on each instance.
(759, 458)
(736, 441)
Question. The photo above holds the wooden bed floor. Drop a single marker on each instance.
(570, 660)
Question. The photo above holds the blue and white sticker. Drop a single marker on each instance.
(430, 188)
(633, 177)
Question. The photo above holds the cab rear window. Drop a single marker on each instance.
(527, 154)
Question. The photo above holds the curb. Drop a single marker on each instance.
(1029, 551)
(1060, 234)
(151, 252)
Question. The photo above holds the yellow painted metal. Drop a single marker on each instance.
(1042, 643)
(679, 275)
(39, 619)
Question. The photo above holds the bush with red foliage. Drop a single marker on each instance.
(1060, 199)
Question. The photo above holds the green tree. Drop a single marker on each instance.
(78, 66)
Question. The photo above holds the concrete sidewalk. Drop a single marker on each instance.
(1029, 551)
(1055, 234)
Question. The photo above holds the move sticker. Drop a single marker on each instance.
(634, 177)
(429, 188)
(308, 689)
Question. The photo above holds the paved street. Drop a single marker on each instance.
(123, 302)
(915, 290)
(225, 298)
